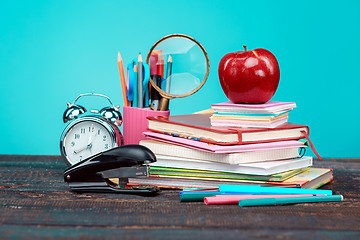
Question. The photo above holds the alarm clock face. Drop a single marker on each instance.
(86, 138)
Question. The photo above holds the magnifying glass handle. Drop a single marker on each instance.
(164, 104)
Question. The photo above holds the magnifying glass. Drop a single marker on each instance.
(179, 67)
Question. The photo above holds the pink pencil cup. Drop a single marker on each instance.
(135, 122)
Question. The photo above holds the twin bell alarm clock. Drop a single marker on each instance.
(89, 133)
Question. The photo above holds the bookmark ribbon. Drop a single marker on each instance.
(239, 133)
(311, 144)
(303, 132)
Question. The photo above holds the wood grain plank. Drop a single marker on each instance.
(33, 196)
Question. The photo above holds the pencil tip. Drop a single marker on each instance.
(140, 58)
(170, 58)
(119, 56)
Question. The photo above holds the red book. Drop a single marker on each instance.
(198, 127)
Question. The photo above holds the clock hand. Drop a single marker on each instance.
(80, 150)
(88, 146)
(90, 137)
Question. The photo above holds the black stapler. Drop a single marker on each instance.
(94, 173)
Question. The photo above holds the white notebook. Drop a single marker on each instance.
(259, 168)
(260, 155)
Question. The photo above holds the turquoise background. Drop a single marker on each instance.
(51, 51)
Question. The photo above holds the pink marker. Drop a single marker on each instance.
(234, 199)
(153, 64)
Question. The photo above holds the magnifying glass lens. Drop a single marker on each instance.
(180, 65)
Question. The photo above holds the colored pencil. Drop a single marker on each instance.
(135, 101)
(168, 74)
(122, 79)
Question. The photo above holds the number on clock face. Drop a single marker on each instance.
(85, 139)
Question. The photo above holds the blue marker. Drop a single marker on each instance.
(135, 79)
(130, 87)
(132, 93)
(257, 189)
(197, 192)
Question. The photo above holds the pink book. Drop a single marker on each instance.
(222, 148)
(263, 105)
(234, 199)
(238, 123)
(270, 107)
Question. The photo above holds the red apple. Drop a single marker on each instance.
(249, 76)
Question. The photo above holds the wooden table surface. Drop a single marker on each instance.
(35, 203)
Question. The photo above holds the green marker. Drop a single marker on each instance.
(195, 196)
(276, 201)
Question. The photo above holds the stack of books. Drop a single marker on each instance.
(191, 153)
(269, 115)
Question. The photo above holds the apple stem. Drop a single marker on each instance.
(244, 47)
